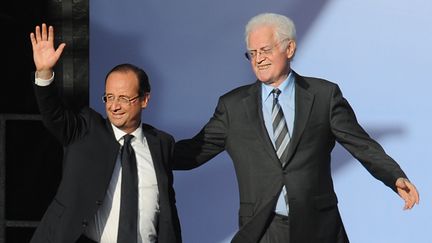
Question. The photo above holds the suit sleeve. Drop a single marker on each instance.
(354, 138)
(66, 125)
(210, 141)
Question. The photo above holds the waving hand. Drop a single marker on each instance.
(45, 56)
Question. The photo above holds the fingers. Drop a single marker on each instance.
(41, 34)
(51, 34)
(45, 55)
(408, 192)
(33, 40)
(408, 202)
(413, 193)
(44, 32)
(38, 34)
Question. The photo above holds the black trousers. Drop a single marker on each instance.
(278, 230)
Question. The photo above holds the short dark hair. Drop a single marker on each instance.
(144, 84)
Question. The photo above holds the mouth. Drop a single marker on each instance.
(263, 67)
(117, 115)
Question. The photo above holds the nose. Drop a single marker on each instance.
(114, 105)
(260, 57)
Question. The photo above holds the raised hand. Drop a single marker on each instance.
(45, 56)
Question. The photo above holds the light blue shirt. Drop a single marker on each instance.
(287, 103)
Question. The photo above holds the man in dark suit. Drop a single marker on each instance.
(279, 132)
(93, 202)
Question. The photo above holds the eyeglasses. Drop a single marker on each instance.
(124, 100)
(264, 52)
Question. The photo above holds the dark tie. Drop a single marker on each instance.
(281, 134)
(127, 230)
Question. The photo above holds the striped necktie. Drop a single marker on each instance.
(281, 134)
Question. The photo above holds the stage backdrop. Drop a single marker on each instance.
(378, 51)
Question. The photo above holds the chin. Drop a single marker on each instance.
(116, 123)
(268, 82)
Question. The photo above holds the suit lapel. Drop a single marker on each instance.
(154, 145)
(110, 154)
(303, 105)
(253, 107)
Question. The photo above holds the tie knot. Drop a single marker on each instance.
(276, 92)
(127, 138)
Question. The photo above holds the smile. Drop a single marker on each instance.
(263, 67)
(117, 116)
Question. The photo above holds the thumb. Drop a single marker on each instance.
(401, 183)
(59, 50)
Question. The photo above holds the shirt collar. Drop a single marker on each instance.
(138, 134)
(283, 87)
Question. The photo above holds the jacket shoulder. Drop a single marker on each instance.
(240, 92)
(315, 81)
(316, 86)
(156, 132)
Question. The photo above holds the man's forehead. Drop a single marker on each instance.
(261, 36)
(261, 43)
(123, 74)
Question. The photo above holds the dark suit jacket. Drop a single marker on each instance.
(90, 152)
(322, 116)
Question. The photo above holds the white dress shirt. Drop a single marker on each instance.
(105, 225)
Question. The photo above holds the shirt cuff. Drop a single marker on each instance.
(43, 82)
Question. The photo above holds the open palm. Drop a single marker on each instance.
(44, 54)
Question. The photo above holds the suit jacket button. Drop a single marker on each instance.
(84, 223)
(98, 202)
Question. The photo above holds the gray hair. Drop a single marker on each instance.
(284, 26)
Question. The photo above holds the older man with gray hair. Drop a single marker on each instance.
(280, 132)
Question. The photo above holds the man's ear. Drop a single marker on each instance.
(145, 99)
(291, 48)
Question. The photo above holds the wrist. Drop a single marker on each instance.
(44, 74)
